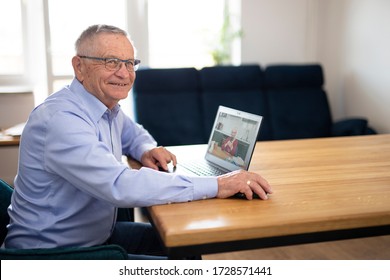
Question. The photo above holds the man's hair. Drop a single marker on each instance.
(94, 30)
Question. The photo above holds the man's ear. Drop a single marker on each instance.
(77, 67)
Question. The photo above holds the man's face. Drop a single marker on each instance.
(109, 86)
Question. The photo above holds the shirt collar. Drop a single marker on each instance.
(94, 106)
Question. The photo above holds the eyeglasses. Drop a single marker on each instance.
(114, 64)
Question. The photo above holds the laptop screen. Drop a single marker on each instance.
(233, 138)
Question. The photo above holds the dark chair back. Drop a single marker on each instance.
(5, 200)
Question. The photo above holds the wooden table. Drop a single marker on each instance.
(324, 189)
(9, 151)
(6, 140)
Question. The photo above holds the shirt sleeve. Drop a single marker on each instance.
(75, 153)
(135, 139)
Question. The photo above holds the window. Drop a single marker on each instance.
(11, 46)
(67, 19)
(185, 33)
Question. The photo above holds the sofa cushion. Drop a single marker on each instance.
(294, 76)
(167, 104)
(238, 87)
(298, 104)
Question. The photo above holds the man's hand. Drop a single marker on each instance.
(245, 182)
(158, 158)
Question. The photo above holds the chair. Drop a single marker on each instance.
(103, 252)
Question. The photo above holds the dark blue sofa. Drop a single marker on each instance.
(178, 106)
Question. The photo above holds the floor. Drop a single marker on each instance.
(373, 248)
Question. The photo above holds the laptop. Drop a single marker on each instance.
(230, 146)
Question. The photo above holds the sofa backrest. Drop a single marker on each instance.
(178, 106)
(298, 104)
(167, 104)
(238, 87)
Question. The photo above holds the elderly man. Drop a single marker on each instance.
(230, 143)
(71, 180)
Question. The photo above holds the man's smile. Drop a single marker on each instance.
(119, 84)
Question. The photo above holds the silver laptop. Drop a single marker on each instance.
(230, 146)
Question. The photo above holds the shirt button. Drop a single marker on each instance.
(205, 197)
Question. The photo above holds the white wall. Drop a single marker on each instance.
(9, 163)
(350, 38)
(275, 31)
(366, 69)
(15, 106)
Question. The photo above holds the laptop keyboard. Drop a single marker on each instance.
(202, 168)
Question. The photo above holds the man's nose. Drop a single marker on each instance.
(122, 71)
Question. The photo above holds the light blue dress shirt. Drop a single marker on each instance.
(71, 178)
